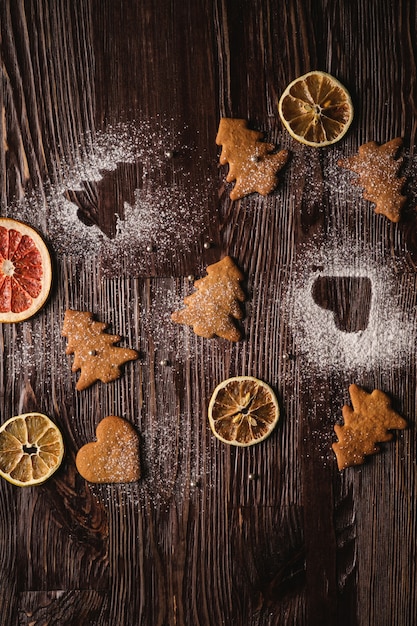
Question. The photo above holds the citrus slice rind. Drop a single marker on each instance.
(316, 109)
(31, 449)
(243, 411)
(25, 271)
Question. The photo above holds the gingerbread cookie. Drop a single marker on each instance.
(377, 170)
(114, 457)
(95, 354)
(253, 164)
(368, 422)
(212, 309)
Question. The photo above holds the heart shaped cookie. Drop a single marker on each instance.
(114, 457)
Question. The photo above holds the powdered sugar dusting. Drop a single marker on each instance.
(390, 334)
(169, 216)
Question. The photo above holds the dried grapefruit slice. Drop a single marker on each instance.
(243, 411)
(31, 449)
(316, 109)
(25, 271)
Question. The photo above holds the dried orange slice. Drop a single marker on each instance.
(316, 109)
(242, 411)
(31, 449)
(25, 271)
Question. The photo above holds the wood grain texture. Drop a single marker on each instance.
(211, 534)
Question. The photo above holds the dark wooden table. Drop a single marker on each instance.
(107, 145)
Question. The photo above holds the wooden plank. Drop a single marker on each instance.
(109, 118)
(63, 607)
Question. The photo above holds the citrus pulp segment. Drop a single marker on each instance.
(31, 449)
(25, 271)
(243, 411)
(316, 109)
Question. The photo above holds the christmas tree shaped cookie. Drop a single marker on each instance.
(377, 172)
(253, 164)
(95, 353)
(367, 423)
(212, 309)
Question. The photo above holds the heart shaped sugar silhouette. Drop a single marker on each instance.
(347, 297)
(114, 457)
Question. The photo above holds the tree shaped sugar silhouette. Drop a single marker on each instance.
(377, 170)
(212, 309)
(252, 163)
(100, 202)
(94, 350)
(367, 423)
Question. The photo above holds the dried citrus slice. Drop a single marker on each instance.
(31, 449)
(242, 411)
(316, 109)
(25, 271)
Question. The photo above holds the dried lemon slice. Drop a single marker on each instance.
(31, 449)
(243, 411)
(316, 109)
